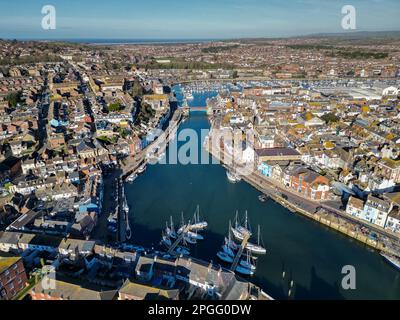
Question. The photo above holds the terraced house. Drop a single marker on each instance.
(12, 276)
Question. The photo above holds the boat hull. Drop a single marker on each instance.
(244, 271)
(224, 257)
(392, 261)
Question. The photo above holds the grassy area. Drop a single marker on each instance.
(217, 49)
(187, 65)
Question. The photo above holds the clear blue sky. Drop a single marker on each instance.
(166, 19)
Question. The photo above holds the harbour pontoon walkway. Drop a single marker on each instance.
(185, 229)
(240, 251)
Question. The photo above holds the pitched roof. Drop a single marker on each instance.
(146, 292)
(70, 291)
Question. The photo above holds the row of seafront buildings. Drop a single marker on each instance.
(56, 149)
(84, 270)
(336, 145)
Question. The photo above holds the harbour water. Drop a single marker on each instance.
(309, 254)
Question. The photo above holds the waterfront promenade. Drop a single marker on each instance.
(127, 167)
(321, 212)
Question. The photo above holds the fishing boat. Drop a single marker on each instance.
(198, 224)
(225, 257)
(393, 260)
(233, 177)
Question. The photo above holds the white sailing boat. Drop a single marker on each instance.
(195, 235)
(125, 208)
(239, 231)
(170, 230)
(189, 239)
(247, 263)
(256, 248)
(198, 224)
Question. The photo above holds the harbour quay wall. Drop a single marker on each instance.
(250, 179)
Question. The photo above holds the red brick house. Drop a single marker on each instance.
(310, 184)
(12, 277)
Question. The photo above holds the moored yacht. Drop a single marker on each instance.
(233, 177)
(141, 169)
(393, 260)
(239, 231)
(132, 177)
(198, 224)
(244, 271)
(225, 257)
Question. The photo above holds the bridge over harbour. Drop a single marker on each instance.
(197, 109)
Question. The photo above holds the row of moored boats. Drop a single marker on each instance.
(188, 234)
(237, 243)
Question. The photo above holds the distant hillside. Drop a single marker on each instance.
(355, 35)
(343, 36)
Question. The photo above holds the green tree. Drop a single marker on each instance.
(330, 118)
(14, 98)
(137, 89)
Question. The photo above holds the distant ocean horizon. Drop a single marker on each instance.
(117, 41)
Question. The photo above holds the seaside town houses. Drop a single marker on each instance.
(324, 148)
(70, 125)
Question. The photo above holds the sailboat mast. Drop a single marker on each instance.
(236, 219)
